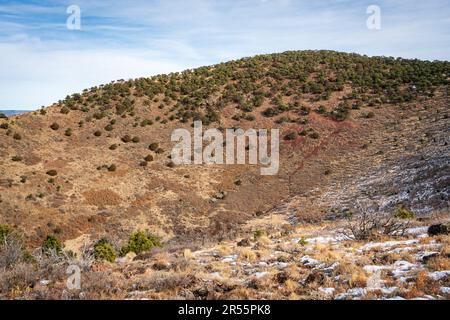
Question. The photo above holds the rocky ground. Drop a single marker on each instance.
(274, 259)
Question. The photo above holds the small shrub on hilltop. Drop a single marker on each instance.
(103, 250)
(140, 242)
(4, 126)
(126, 138)
(153, 146)
(68, 132)
(16, 158)
(149, 158)
(52, 173)
(109, 127)
(17, 136)
(112, 168)
(113, 147)
(51, 245)
(135, 139)
(97, 133)
(54, 126)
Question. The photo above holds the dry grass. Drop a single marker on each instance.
(101, 198)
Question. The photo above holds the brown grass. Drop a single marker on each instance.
(104, 197)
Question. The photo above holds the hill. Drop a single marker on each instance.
(357, 133)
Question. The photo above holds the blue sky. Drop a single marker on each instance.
(41, 61)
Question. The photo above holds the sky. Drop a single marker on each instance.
(42, 60)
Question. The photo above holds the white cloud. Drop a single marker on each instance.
(42, 62)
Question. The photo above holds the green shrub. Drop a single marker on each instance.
(290, 136)
(52, 173)
(64, 110)
(113, 147)
(149, 158)
(5, 231)
(109, 127)
(126, 138)
(51, 244)
(302, 241)
(135, 139)
(314, 135)
(54, 126)
(104, 251)
(68, 132)
(17, 136)
(140, 242)
(258, 234)
(112, 168)
(403, 213)
(4, 126)
(16, 158)
(97, 133)
(153, 146)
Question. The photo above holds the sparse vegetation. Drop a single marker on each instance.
(103, 250)
(51, 245)
(140, 242)
(52, 173)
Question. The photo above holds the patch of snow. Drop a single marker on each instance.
(374, 268)
(387, 244)
(396, 298)
(261, 274)
(425, 254)
(352, 293)
(327, 291)
(439, 275)
(417, 231)
(445, 290)
(231, 258)
(325, 240)
(309, 262)
(402, 268)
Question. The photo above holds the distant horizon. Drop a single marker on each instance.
(53, 48)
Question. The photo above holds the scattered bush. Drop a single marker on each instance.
(16, 158)
(17, 136)
(5, 231)
(113, 147)
(54, 126)
(97, 133)
(109, 127)
(140, 242)
(290, 136)
(68, 132)
(112, 168)
(104, 251)
(52, 173)
(126, 138)
(51, 245)
(135, 140)
(153, 146)
(149, 158)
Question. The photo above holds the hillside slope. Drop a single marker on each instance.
(353, 127)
